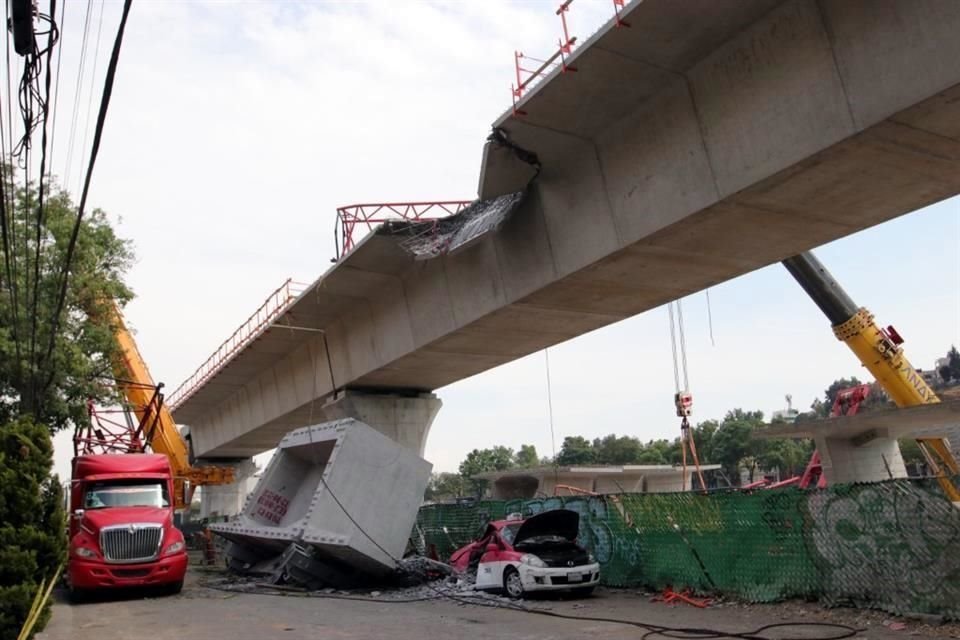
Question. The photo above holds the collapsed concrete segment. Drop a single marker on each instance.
(342, 488)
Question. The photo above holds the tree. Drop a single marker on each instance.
(444, 486)
(576, 450)
(55, 389)
(733, 443)
(527, 458)
(661, 452)
(951, 370)
(617, 450)
(32, 540)
(703, 437)
(789, 457)
(482, 460)
(55, 352)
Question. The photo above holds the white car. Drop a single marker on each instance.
(537, 554)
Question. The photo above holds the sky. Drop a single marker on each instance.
(237, 128)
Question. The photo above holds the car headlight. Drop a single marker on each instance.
(83, 552)
(176, 547)
(591, 558)
(533, 561)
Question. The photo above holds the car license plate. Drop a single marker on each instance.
(574, 577)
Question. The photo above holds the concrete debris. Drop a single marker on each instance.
(335, 506)
(433, 238)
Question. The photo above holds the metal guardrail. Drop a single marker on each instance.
(526, 78)
(275, 304)
(356, 219)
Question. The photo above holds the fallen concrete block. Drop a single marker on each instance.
(342, 488)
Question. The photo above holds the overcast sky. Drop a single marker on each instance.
(236, 129)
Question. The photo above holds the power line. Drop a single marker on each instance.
(98, 134)
(52, 37)
(56, 89)
(76, 94)
(93, 77)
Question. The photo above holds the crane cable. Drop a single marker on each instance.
(683, 400)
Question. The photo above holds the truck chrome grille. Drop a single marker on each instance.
(131, 542)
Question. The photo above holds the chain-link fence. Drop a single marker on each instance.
(893, 545)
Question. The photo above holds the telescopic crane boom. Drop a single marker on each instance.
(163, 435)
(880, 351)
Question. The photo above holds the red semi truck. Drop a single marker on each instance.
(121, 525)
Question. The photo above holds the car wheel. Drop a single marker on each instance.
(582, 592)
(511, 583)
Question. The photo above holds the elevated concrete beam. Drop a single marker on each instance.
(711, 138)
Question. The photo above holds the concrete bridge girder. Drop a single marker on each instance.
(709, 139)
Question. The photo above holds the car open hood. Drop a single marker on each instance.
(557, 522)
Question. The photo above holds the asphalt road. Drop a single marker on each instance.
(201, 612)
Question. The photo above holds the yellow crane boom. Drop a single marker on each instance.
(880, 351)
(163, 436)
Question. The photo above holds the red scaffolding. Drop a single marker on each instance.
(356, 220)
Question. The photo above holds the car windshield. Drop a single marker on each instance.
(509, 532)
(127, 493)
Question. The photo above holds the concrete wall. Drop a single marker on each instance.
(843, 461)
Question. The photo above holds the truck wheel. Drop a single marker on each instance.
(77, 596)
(511, 583)
(174, 588)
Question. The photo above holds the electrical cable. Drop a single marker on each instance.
(98, 134)
(652, 629)
(75, 112)
(10, 208)
(56, 89)
(713, 343)
(93, 77)
(52, 38)
(553, 439)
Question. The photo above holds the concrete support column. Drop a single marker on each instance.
(404, 419)
(847, 460)
(228, 499)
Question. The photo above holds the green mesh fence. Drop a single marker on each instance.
(892, 545)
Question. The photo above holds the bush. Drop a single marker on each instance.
(32, 525)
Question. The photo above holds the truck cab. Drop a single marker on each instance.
(121, 524)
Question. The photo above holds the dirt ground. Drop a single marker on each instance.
(202, 611)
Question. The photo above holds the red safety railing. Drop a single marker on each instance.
(356, 220)
(525, 77)
(275, 304)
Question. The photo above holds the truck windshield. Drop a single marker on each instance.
(127, 493)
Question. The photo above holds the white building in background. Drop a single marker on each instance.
(788, 415)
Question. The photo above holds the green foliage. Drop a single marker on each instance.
(951, 370)
(576, 450)
(32, 535)
(790, 457)
(733, 443)
(55, 390)
(527, 457)
(444, 486)
(482, 460)
(617, 450)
